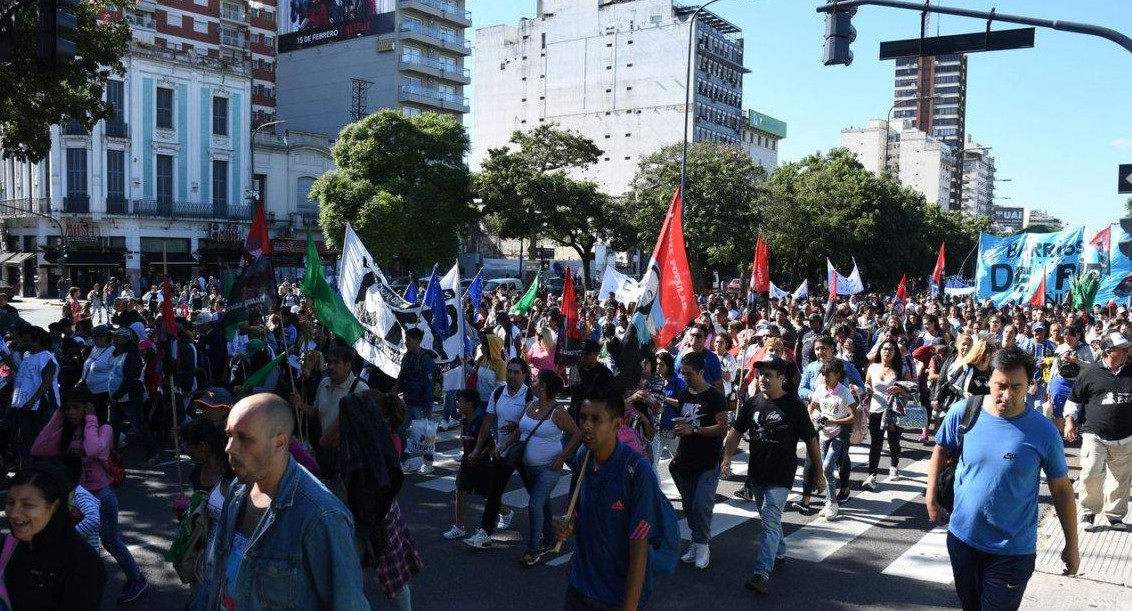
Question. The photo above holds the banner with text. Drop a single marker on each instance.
(1010, 268)
(1109, 251)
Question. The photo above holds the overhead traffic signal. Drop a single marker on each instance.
(57, 31)
(839, 33)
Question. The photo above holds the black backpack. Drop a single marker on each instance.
(945, 482)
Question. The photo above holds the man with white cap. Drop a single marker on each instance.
(1100, 409)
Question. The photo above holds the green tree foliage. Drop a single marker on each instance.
(31, 102)
(528, 191)
(723, 205)
(402, 184)
(1128, 207)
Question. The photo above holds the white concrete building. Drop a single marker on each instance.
(760, 135)
(915, 158)
(1040, 217)
(614, 71)
(978, 176)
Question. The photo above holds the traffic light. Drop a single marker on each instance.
(57, 31)
(839, 33)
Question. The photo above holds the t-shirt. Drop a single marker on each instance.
(713, 369)
(608, 520)
(998, 475)
(833, 404)
(598, 376)
(508, 408)
(250, 516)
(697, 453)
(1105, 400)
(775, 426)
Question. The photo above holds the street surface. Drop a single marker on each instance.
(881, 553)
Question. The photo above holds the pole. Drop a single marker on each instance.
(253, 193)
(169, 378)
(574, 497)
(689, 74)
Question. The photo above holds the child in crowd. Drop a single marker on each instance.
(472, 477)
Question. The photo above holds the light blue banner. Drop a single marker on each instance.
(1113, 262)
(1010, 268)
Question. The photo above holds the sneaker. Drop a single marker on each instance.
(505, 520)
(151, 462)
(756, 583)
(744, 493)
(829, 512)
(1116, 524)
(427, 468)
(779, 563)
(1087, 520)
(133, 590)
(703, 556)
(924, 439)
(871, 482)
(802, 506)
(529, 559)
(442, 425)
(894, 474)
(842, 496)
(455, 533)
(547, 547)
(480, 540)
(689, 556)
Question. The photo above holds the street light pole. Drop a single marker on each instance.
(888, 119)
(688, 75)
(253, 193)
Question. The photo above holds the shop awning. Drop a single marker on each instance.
(94, 259)
(18, 258)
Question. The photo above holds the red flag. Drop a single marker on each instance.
(937, 273)
(831, 279)
(760, 269)
(1101, 241)
(257, 243)
(673, 277)
(570, 309)
(1039, 298)
(167, 310)
(902, 289)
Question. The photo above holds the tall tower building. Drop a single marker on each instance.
(931, 95)
(615, 71)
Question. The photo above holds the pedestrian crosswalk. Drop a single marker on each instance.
(923, 557)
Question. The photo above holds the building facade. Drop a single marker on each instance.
(915, 158)
(760, 136)
(978, 172)
(616, 72)
(931, 93)
(405, 54)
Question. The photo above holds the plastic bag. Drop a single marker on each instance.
(422, 438)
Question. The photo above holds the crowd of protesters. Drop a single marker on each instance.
(297, 462)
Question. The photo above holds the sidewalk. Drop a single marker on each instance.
(1046, 592)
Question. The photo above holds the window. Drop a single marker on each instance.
(164, 178)
(219, 182)
(411, 55)
(115, 175)
(76, 171)
(219, 116)
(409, 111)
(116, 97)
(230, 37)
(164, 108)
(447, 93)
(306, 204)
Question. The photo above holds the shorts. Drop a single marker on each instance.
(474, 479)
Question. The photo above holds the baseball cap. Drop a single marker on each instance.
(1038, 326)
(215, 398)
(204, 318)
(774, 364)
(1115, 340)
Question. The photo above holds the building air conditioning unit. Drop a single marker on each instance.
(214, 231)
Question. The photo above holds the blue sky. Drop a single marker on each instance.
(1058, 117)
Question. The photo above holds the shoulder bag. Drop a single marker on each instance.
(515, 453)
(945, 483)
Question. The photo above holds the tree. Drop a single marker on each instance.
(722, 203)
(402, 184)
(30, 102)
(1128, 207)
(528, 190)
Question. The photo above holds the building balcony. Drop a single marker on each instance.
(72, 127)
(233, 15)
(434, 97)
(448, 11)
(435, 68)
(432, 35)
(170, 209)
(76, 203)
(25, 207)
(117, 129)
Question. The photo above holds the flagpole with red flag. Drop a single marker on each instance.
(1039, 298)
(937, 273)
(676, 294)
(169, 327)
(902, 289)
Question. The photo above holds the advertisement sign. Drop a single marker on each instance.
(325, 21)
(1010, 268)
(1008, 218)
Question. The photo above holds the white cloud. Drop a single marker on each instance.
(1121, 143)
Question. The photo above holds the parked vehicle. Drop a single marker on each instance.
(510, 285)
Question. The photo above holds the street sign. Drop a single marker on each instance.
(1124, 184)
(997, 40)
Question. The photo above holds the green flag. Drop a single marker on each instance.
(528, 301)
(328, 307)
(258, 377)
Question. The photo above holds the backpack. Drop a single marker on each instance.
(664, 540)
(498, 392)
(945, 483)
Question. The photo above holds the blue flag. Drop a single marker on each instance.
(434, 299)
(475, 289)
(411, 291)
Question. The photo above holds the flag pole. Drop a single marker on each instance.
(169, 378)
(574, 497)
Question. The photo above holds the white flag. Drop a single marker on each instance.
(777, 293)
(624, 288)
(452, 371)
(802, 291)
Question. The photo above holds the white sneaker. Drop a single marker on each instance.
(703, 556)
(871, 482)
(455, 533)
(690, 556)
(505, 520)
(427, 468)
(480, 540)
(442, 425)
(829, 512)
(894, 474)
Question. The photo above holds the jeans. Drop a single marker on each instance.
(500, 474)
(697, 497)
(989, 582)
(540, 482)
(845, 467)
(111, 537)
(133, 410)
(772, 545)
(876, 440)
(831, 451)
(450, 410)
(576, 601)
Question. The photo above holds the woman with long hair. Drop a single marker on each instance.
(673, 386)
(541, 353)
(881, 380)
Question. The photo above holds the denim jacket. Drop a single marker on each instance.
(301, 555)
(416, 379)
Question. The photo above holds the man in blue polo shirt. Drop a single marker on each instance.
(616, 514)
(993, 531)
(713, 370)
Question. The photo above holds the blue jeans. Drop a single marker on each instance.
(772, 545)
(540, 481)
(831, 451)
(111, 538)
(132, 407)
(697, 497)
(450, 410)
(989, 582)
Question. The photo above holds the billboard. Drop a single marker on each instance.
(310, 23)
(1008, 218)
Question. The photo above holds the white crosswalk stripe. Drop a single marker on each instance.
(927, 560)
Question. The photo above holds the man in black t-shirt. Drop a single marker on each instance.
(700, 425)
(592, 375)
(776, 422)
(1100, 407)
